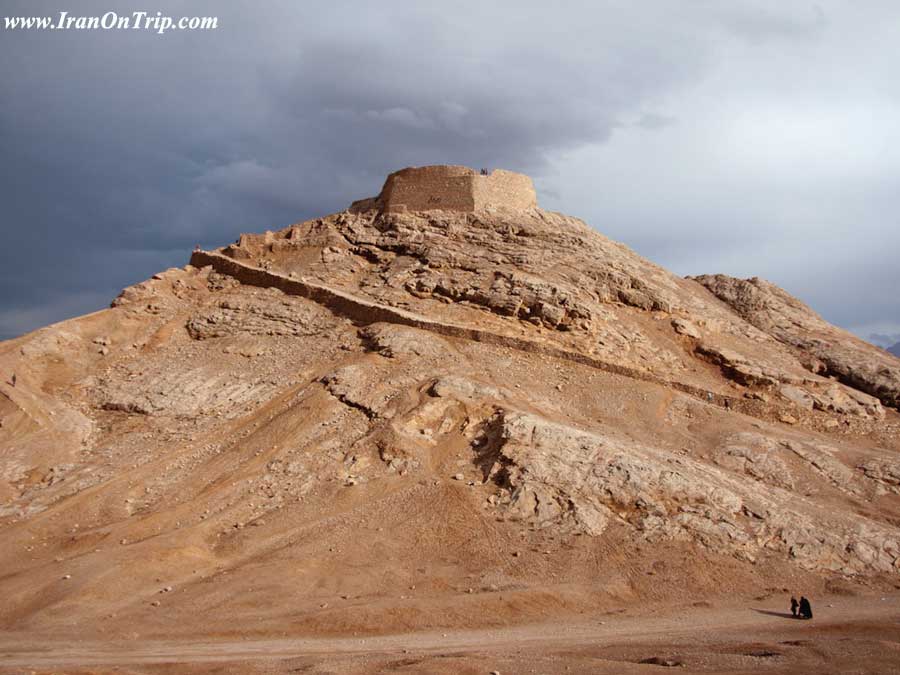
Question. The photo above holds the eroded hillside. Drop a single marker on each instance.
(379, 421)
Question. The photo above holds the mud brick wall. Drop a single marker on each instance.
(455, 188)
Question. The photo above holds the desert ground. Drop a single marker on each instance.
(849, 634)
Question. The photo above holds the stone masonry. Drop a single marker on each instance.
(452, 188)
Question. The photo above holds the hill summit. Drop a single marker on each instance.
(442, 406)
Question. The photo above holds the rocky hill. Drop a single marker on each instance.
(822, 347)
(390, 418)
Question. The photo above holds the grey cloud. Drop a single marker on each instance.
(761, 21)
(654, 121)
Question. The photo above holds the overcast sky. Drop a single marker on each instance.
(749, 138)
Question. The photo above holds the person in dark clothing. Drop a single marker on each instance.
(805, 608)
(794, 606)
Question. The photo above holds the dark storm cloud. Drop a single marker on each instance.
(121, 149)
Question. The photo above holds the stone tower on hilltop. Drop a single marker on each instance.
(451, 188)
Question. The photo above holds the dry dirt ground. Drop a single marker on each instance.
(847, 635)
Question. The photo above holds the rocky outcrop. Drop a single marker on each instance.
(822, 347)
(557, 474)
(509, 294)
(756, 456)
(285, 316)
(884, 471)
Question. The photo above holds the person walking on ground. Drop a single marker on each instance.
(794, 606)
(805, 608)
